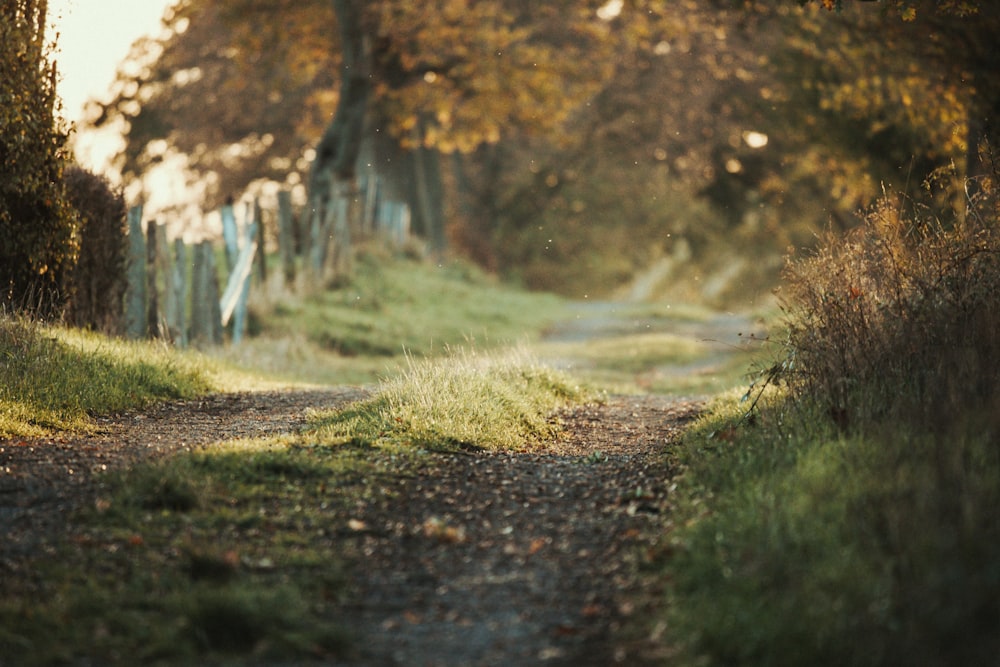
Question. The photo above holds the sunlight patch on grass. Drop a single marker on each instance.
(391, 306)
(56, 378)
(494, 401)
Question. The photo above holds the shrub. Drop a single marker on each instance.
(37, 227)
(898, 320)
(98, 281)
(852, 519)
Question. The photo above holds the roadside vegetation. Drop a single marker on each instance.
(57, 378)
(850, 516)
(391, 307)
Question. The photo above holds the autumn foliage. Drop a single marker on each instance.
(570, 145)
(38, 241)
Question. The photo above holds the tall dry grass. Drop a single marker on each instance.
(900, 320)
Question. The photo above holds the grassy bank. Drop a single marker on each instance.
(803, 544)
(362, 329)
(54, 378)
(851, 518)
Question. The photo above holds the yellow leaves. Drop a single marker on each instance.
(473, 68)
(453, 10)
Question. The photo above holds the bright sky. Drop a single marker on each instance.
(94, 36)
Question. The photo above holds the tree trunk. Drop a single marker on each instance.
(337, 152)
(410, 176)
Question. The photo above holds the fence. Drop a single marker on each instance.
(174, 289)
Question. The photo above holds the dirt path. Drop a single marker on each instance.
(522, 559)
(482, 559)
(492, 559)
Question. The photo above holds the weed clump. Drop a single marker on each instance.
(465, 401)
(899, 320)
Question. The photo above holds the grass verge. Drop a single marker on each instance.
(851, 518)
(802, 544)
(57, 378)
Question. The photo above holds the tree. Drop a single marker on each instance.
(233, 92)
(591, 136)
(421, 83)
(950, 41)
(38, 241)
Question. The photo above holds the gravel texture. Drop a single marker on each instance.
(491, 559)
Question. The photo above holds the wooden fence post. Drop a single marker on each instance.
(135, 304)
(317, 241)
(394, 222)
(234, 299)
(339, 229)
(286, 236)
(176, 296)
(152, 300)
(159, 280)
(258, 218)
(230, 235)
(206, 318)
(371, 195)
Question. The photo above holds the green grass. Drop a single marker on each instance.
(468, 400)
(851, 519)
(390, 307)
(361, 331)
(53, 378)
(239, 551)
(670, 349)
(656, 363)
(799, 544)
(226, 553)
